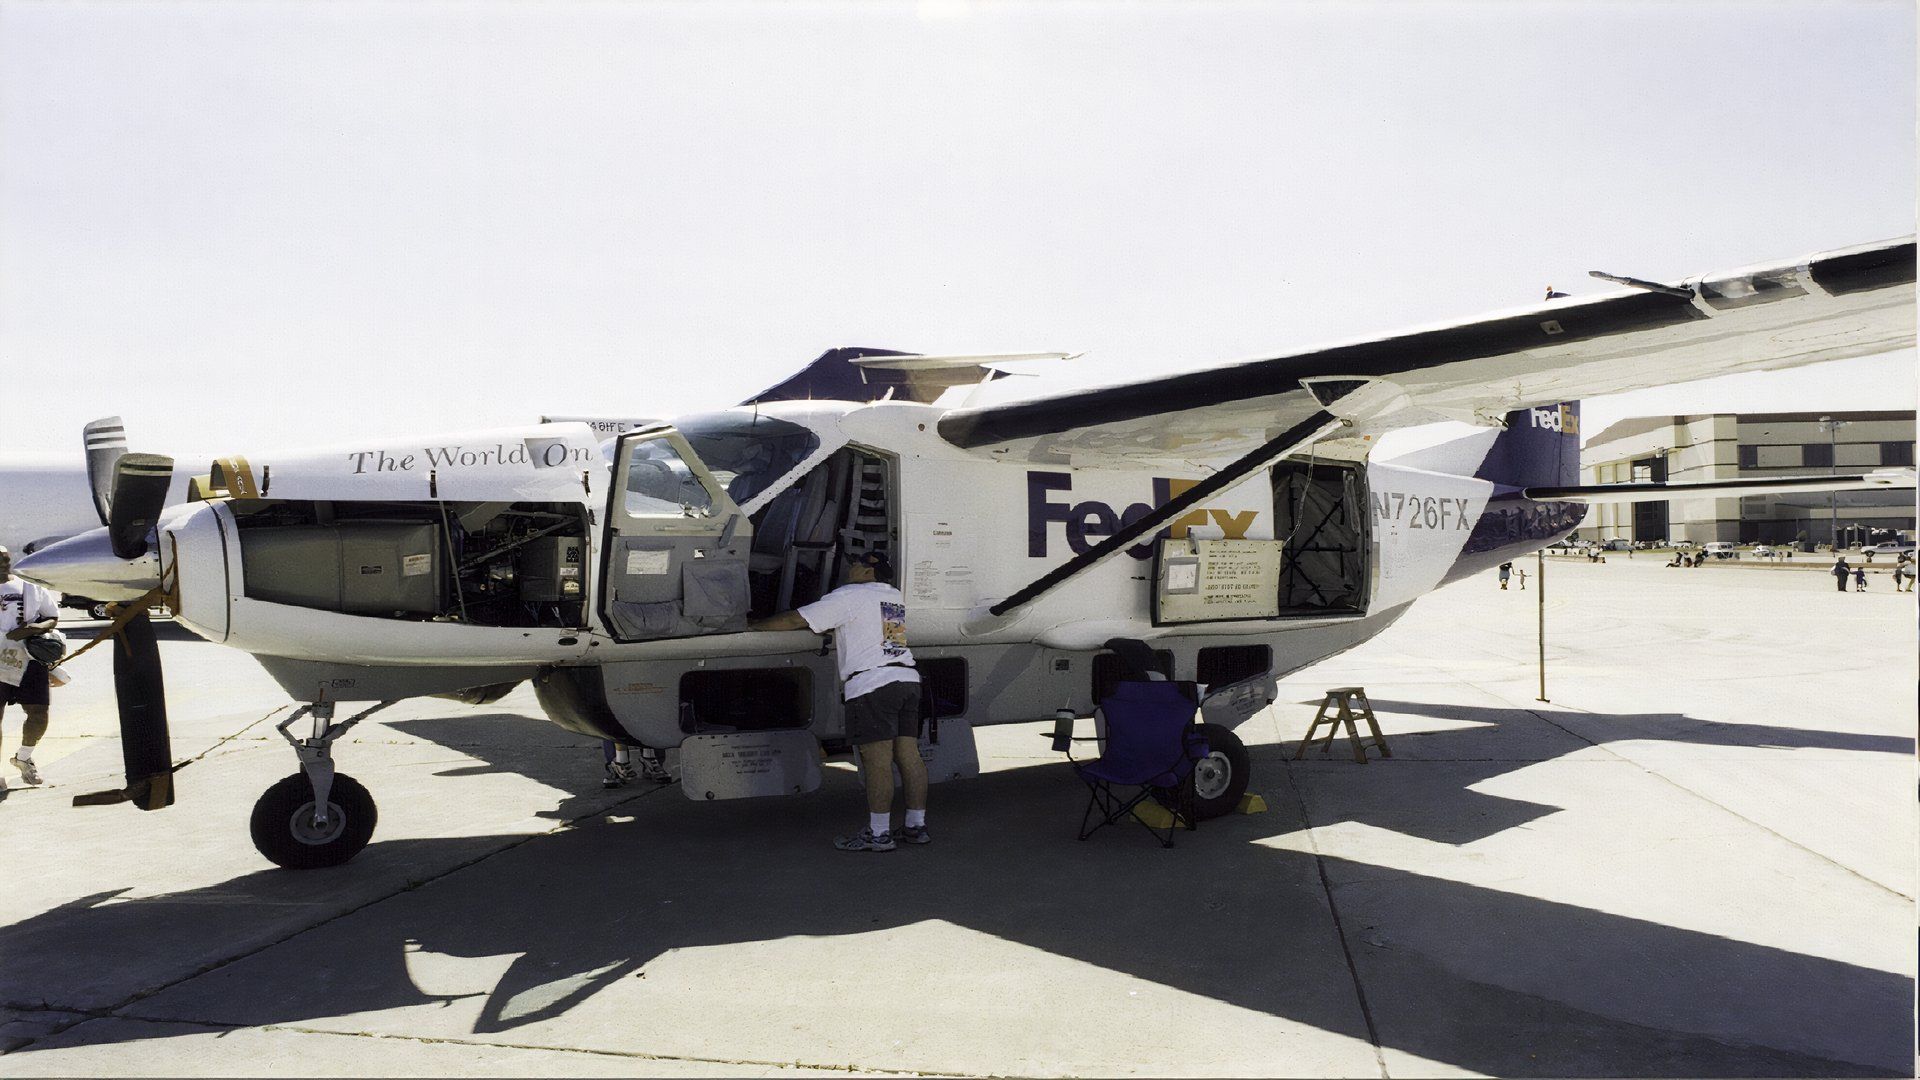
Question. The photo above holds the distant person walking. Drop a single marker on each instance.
(1903, 573)
(1840, 573)
(1860, 580)
(1506, 571)
(1520, 572)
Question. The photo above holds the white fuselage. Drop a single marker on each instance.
(967, 532)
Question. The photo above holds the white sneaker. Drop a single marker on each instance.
(29, 772)
(619, 773)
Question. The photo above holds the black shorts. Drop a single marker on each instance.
(32, 689)
(892, 711)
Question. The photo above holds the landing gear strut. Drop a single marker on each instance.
(316, 817)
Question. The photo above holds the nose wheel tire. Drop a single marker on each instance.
(1221, 777)
(97, 609)
(284, 829)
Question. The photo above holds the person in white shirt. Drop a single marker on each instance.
(26, 610)
(868, 618)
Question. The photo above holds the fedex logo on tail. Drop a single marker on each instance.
(1085, 522)
(1564, 419)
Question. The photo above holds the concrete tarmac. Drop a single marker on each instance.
(1697, 860)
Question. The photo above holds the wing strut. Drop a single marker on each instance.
(1281, 445)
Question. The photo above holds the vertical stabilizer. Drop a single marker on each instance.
(1539, 448)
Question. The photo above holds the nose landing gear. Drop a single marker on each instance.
(316, 817)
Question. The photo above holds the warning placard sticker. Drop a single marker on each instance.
(1201, 580)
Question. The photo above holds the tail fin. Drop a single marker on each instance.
(1539, 448)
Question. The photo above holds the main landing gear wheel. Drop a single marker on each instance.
(285, 832)
(1220, 778)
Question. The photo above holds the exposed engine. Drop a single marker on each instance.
(489, 564)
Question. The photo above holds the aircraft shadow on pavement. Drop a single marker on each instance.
(1452, 812)
(498, 740)
(1484, 979)
(1668, 727)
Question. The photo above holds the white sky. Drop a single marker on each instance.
(261, 224)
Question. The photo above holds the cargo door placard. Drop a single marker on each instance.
(1204, 580)
(741, 765)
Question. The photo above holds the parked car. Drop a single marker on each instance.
(1889, 547)
(1762, 551)
(1617, 544)
(96, 609)
(1721, 549)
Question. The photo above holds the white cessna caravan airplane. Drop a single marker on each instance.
(1229, 516)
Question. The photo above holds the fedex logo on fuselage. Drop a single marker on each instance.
(1086, 521)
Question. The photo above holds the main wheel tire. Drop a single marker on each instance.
(1220, 778)
(282, 824)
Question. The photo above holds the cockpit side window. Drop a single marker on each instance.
(660, 483)
(747, 454)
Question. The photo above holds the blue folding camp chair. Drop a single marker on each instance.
(1152, 745)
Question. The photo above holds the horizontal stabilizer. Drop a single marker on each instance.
(940, 363)
(862, 374)
(1887, 479)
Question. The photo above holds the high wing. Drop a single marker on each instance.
(1829, 306)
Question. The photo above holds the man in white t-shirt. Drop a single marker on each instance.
(26, 610)
(868, 618)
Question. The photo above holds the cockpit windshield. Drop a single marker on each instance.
(746, 453)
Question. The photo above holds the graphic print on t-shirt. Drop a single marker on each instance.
(13, 606)
(20, 603)
(893, 628)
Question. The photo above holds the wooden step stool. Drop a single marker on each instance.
(1343, 700)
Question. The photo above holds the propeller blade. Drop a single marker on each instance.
(144, 744)
(105, 440)
(139, 494)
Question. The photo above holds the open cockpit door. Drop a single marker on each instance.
(677, 544)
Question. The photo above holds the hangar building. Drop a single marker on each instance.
(1727, 446)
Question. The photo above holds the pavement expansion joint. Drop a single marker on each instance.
(1339, 929)
(639, 1055)
(80, 1016)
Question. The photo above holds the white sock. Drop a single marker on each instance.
(25, 753)
(622, 756)
(880, 824)
(916, 819)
